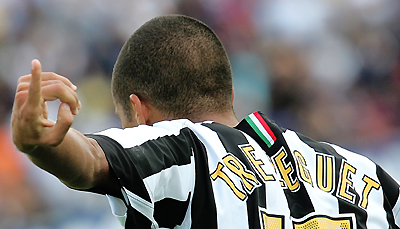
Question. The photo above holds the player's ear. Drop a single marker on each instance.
(141, 109)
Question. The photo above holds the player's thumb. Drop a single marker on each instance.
(64, 122)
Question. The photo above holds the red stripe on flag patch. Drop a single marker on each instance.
(265, 125)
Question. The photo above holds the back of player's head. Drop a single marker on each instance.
(178, 65)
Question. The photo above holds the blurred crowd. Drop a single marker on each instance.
(328, 69)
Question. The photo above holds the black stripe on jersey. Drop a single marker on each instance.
(136, 219)
(118, 161)
(391, 193)
(122, 163)
(344, 206)
(156, 155)
(168, 217)
(299, 202)
(231, 138)
(204, 210)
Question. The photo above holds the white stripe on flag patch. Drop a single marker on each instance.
(261, 128)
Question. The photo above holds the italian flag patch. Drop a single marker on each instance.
(261, 128)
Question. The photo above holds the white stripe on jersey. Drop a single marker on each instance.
(376, 213)
(142, 206)
(118, 208)
(323, 202)
(130, 137)
(396, 212)
(172, 182)
(210, 139)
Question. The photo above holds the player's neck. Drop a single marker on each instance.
(226, 118)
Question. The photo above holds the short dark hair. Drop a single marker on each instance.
(176, 63)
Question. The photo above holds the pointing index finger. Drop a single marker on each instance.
(35, 86)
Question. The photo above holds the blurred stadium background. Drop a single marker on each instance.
(329, 69)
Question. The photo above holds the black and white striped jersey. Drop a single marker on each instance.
(179, 174)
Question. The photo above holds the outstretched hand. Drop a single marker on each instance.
(30, 124)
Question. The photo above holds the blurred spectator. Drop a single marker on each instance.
(19, 200)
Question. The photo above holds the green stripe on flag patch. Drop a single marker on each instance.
(258, 131)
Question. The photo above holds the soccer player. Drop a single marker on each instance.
(182, 160)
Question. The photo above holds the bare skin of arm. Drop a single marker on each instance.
(78, 161)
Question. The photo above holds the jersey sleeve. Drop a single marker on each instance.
(155, 170)
(129, 180)
(391, 189)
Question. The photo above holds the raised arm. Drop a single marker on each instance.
(77, 161)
